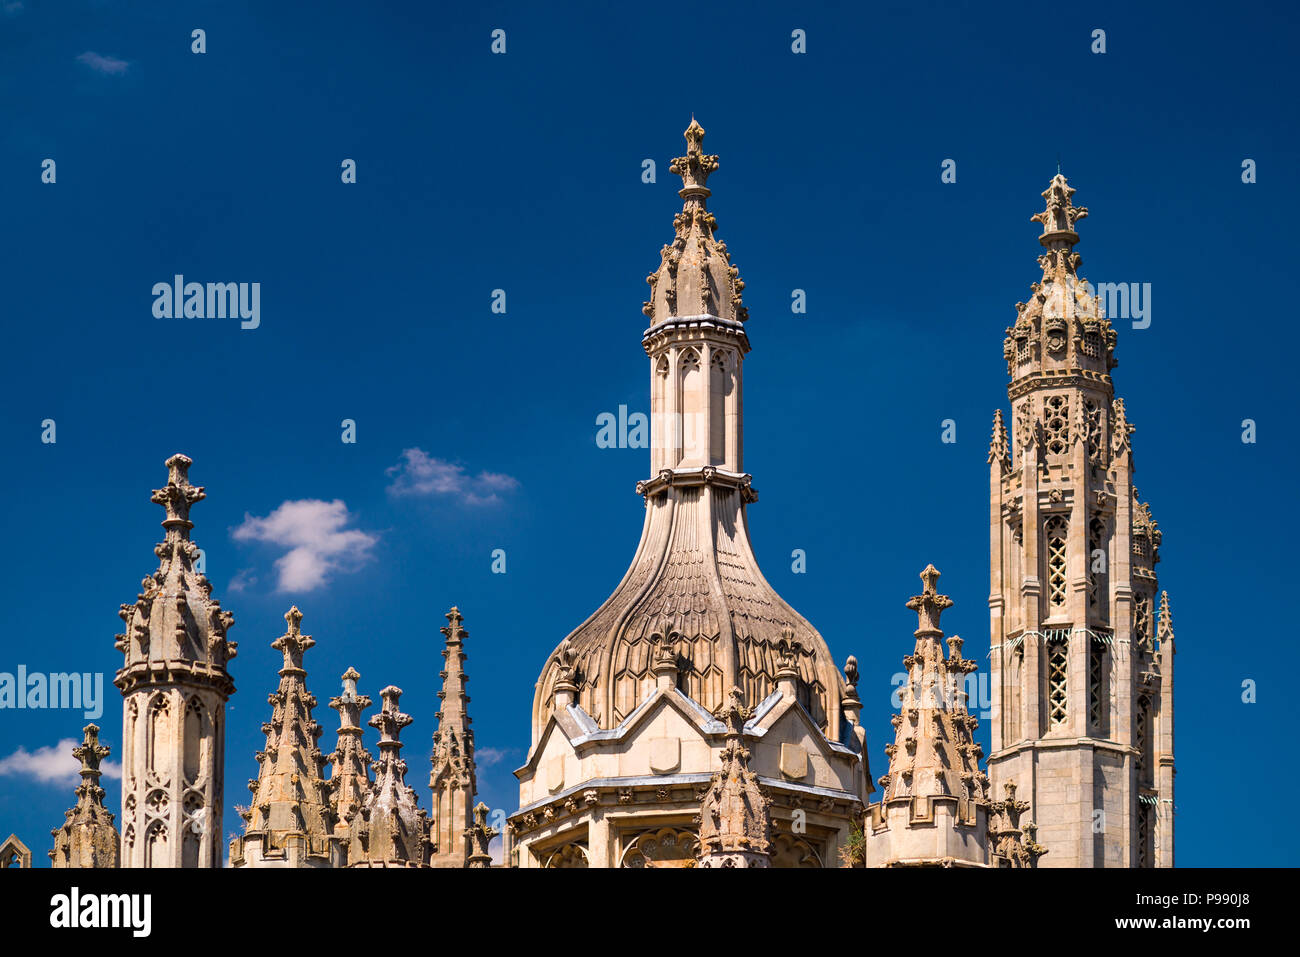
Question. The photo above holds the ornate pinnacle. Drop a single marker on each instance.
(177, 497)
(293, 643)
(90, 753)
(452, 631)
(1060, 216)
(734, 714)
(390, 722)
(1120, 428)
(1165, 630)
(998, 449)
(694, 168)
(929, 605)
(478, 836)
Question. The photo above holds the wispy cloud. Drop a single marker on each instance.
(420, 474)
(12, 7)
(486, 757)
(53, 764)
(103, 64)
(318, 541)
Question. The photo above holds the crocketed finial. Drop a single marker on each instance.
(177, 497)
(694, 168)
(929, 605)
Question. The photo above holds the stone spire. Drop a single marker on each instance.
(350, 761)
(735, 824)
(695, 275)
(87, 837)
(291, 822)
(452, 779)
(389, 829)
(1075, 681)
(1165, 632)
(934, 788)
(999, 451)
(1011, 843)
(175, 683)
(478, 837)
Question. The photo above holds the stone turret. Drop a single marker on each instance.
(624, 728)
(735, 825)
(1082, 696)
(291, 822)
(389, 829)
(350, 761)
(87, 837)
(935, 805)
(175, 683)
(453, 779)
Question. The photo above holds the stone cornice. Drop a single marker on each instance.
(694, 327)
(707, 475)
(1057, 379)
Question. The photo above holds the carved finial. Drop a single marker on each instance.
(293, 642)
(929, 605)
(694, 168)
(177, 497)
(90, 752)
(1060, 216)
(851, 677)
(390, 721)
(999, 450)
(452, 631)
(788, 648)
(478, 836)
(696, 275)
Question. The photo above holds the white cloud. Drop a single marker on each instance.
(13, 7)
(486, 757)
(421, 474)
(103, 64)
(317, 540)
(52, 764)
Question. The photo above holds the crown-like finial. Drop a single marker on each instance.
(293, 642)
(390, 721)
(694, 168)
(1060, 216)
(177, 497)
(90, 753)
(929, 605)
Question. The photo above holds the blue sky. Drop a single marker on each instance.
(522, 172)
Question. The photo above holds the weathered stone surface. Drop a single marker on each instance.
(175, 684)
(87, 837)
(291, 822)
(1082, 683)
